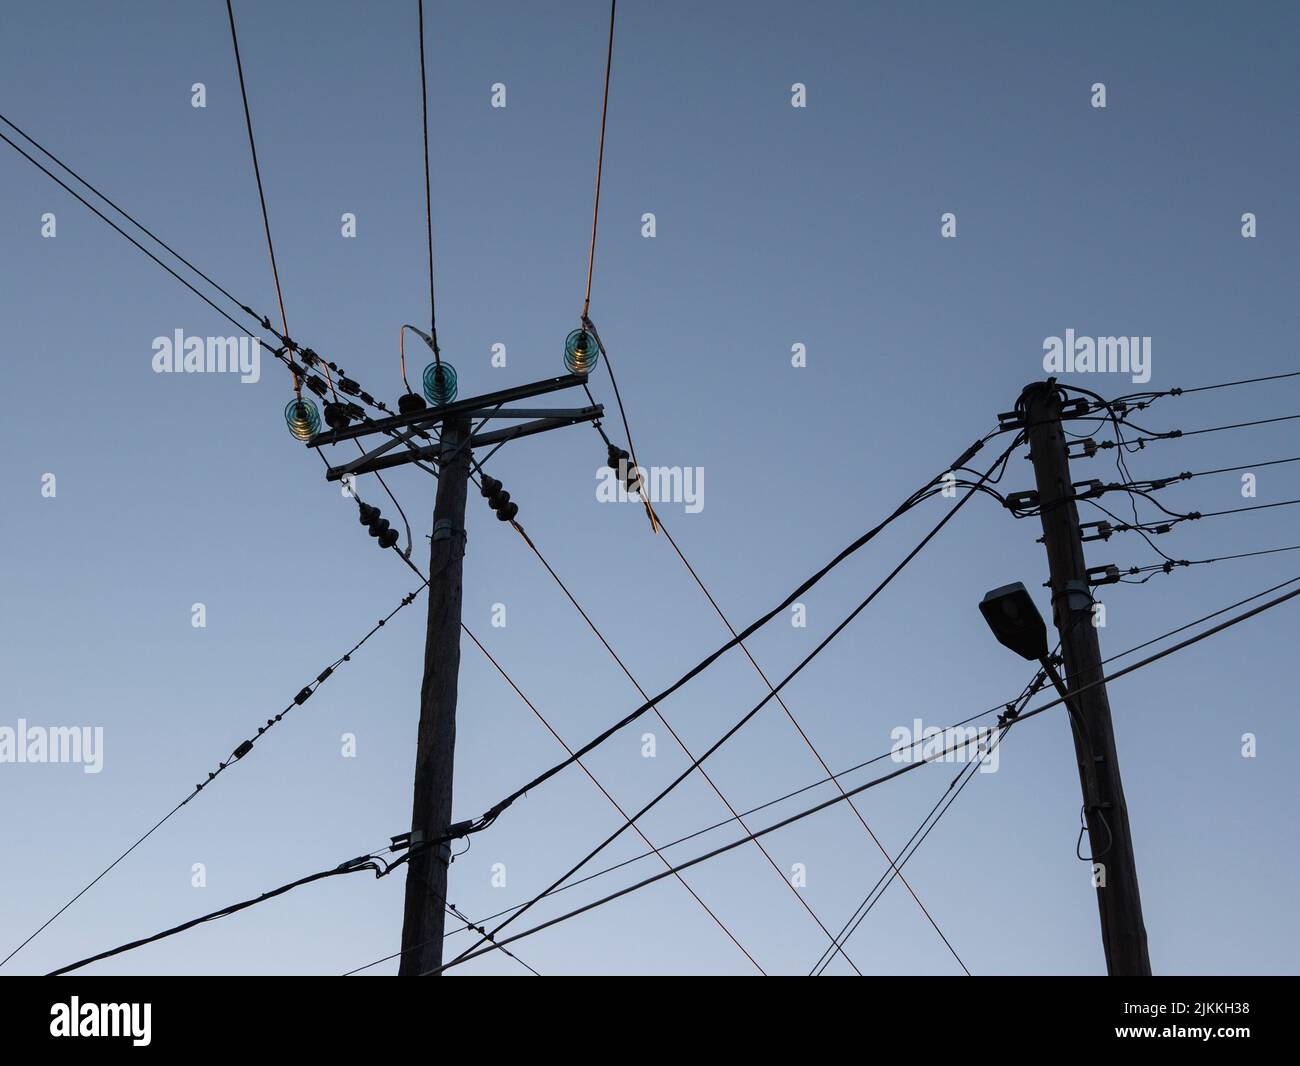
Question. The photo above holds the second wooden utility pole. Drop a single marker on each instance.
(426, 876)
(399, 439)
(1123, 933)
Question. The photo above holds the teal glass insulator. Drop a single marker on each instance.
(302, 418)
(580, 352)
(440, 383)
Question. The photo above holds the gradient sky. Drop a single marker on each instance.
(775, 226)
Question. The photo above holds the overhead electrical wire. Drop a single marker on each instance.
(996, 708)
(491, 815)
(149, 233)
(1007, 706)
(845, 553)
(909, 849)
(1208, 388)
(476, 951)
(366, 861)
(239, 752)
(574, 758)
(479, 927)
(428, 201)
(288, 344)
(591, 259)
(265, 215)
(351, 866)
(471, 635)
(600, 163)
(1192, 516)
(810, 745)
(605, 792)
(257, 174)
(270, 245)
(1169, 565)
(67, 188)
(672, 732)
(1175, 434)
(564, 588)
(942, 806)
(455, 913)
(554, 733)
(1152, 484)
(587, 324)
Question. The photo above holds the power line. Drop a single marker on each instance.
(753, 627)
(487, 819)
(151, 235)
(672, 732)
(1169, 565)
(605, 792)
(373, 861)
(362, 862)
(942, 806)
(532, 707)
(475, 952)
(257, 173)
(808, 742)
(454, 912)
(299, 371)
(1153, 484)
(1207, 388)
(1007, 707)
(1175, 434)
(627, 430)
(996, 708)
(241, 750)
(950, 795)
(600, 162)
(1176, 518)
(518, 527)
(270, 245)
(67, 188)
(428, 195)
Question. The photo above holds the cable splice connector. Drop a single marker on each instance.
(967, 455)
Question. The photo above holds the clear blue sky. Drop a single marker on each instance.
(775, 226)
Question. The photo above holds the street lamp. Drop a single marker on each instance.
(1013, 616)
(1015, 621)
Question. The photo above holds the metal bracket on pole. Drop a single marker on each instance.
(400, 429)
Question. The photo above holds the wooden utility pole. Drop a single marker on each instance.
(399, 443)
(426, 876)
(1123, 933)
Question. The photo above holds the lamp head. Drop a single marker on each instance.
(1012, 615)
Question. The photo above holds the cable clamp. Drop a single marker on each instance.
(1107, 574)
(967, 455)
(445, 529)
